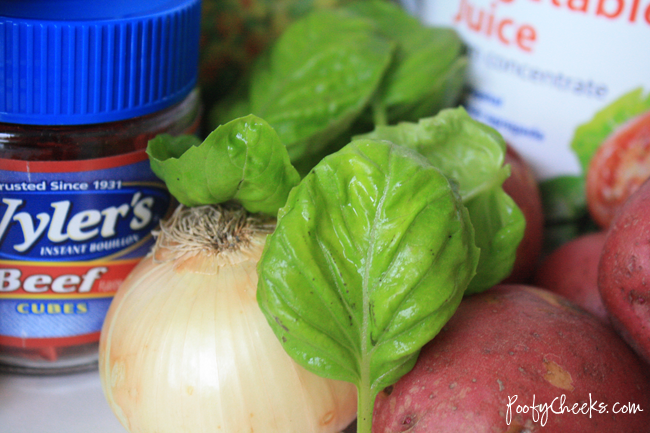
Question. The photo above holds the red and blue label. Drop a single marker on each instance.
(70, 233)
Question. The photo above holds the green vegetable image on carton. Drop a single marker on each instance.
(614, 150)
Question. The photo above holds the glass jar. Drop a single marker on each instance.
(85, 87)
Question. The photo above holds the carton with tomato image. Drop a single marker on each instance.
(613, 149)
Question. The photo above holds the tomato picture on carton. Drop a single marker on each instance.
(619, 167)
(614, 152)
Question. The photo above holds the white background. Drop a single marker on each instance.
(72, 403)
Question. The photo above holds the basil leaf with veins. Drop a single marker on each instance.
(318, 77)
(243, 160)
(472, 154)
(429, 69)
(370, 258)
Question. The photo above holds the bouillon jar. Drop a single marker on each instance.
(83, 87)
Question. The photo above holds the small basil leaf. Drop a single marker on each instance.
(166, 146)
(472, 154)
(369, 259)
(243, 160)
(318, 78)
(429, 67)
(499, 226)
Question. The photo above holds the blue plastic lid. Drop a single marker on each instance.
(71, 62)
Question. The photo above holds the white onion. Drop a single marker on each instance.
(186, 349)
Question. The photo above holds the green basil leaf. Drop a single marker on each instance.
(429, 69)
(243, 160)
(499, 226)
(589, 136)
(473, 155)
(318, 78)
(369, 259)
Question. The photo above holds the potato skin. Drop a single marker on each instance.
(518, 340)
(624, 271)
(522, 187)
(572, 271)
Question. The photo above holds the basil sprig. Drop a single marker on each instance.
(472, 154)
(339, 72)
(243, 161)
(370, 258)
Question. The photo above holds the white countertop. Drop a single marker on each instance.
(72, 403)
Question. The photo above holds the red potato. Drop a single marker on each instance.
(624, 271)
(522, 187)
(508, 349)
(619, 167)
(572, 271)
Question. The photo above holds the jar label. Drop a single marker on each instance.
(70, 232)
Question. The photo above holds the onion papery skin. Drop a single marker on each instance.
(186, 349)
